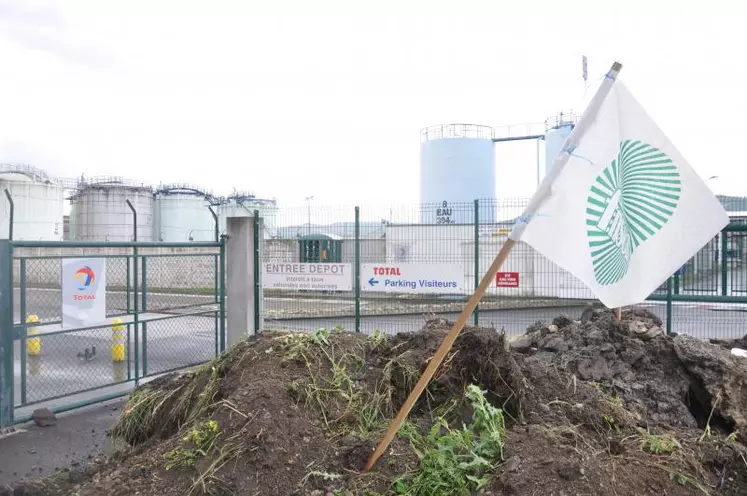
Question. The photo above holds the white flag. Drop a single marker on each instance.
(624, 210)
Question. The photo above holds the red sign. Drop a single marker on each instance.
(507, 279)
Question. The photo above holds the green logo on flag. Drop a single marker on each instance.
(630, 201)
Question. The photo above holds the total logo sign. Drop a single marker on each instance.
(84, 278)
(83, 292)
(413, 278)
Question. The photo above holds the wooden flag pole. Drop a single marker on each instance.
(441, 353)
(534, 203)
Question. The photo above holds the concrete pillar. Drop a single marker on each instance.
(240, 286)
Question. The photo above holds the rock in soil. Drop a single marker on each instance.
(43, 417)
(590, 405)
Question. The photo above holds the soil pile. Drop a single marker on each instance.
(588, 406)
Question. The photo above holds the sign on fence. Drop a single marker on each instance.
(413, 278)
(83, 291)
(507, 279)
(309, 276)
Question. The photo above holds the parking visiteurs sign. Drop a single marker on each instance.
(413, 278)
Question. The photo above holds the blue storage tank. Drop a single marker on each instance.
(557, 129)
(457, 167)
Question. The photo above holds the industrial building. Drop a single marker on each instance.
(243, 204)
(99, 208)
(183, 213)
(38, 203)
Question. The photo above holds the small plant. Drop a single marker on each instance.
(456, 461)
(611, 422)
(732, 437)
(320, 337)
(196, 444)
(377, 339)
(657, 445)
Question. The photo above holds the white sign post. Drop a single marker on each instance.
(413, 278)
(308, 276)
(83, 292)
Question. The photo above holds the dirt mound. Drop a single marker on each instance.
(588, 406)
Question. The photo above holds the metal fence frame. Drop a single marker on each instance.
(137, 291)
(678, 288)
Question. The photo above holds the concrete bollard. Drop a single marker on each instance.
(33, 345)
(118, 338)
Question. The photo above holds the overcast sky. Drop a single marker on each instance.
(297, 98)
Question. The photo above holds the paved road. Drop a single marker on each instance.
(78, 437)
(704, 321)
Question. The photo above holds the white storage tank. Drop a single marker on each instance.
(182, 214)
(243, 204)
(39, 203)
(457, 167)
(102, 213)
(557, 130)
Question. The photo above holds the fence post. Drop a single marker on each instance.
(129, 309)
(217, 240)
(136, 293)
(257, 288)
(476, 314)
(145, 309)
(6, 333)
(11, 214)
(357, 269)
(222, 293)
(24, 329)
(669, 305)
(724, 271)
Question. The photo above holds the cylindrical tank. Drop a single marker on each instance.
(243, 205)
(182, 214)
(457, 166)
(102, 213)
(39, 204)
(557, 129)
(73, 222)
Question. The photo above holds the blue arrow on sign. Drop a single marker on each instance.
(373, 281)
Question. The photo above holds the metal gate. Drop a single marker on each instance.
(164, 309)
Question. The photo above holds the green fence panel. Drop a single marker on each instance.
(169, 297)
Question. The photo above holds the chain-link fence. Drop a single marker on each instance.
(325, 267)
(161, 312)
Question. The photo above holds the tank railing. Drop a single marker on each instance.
(104, 181)
(498, 133)
(504, 133)
(562, 119)
(27, 170)
(176, 188)
(457, 130)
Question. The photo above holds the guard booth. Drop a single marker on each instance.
(321, 248)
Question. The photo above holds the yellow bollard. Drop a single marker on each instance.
(118, 336)
(33, 345)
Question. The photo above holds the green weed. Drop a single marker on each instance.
(456, 461)
(377, 339)
(196, 444)
(657, 445)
